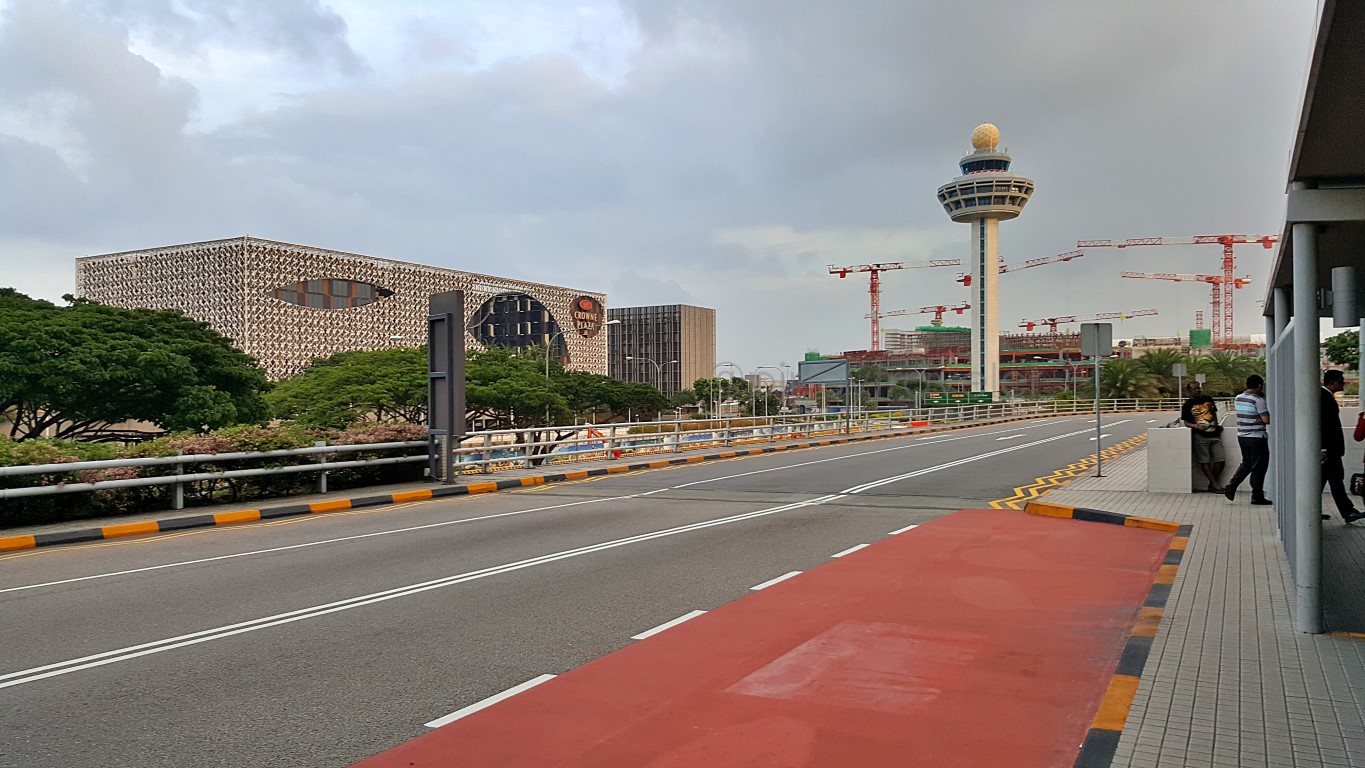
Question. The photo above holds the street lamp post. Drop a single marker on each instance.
(766, 396)
(658, 371)
(919, 384)
(549, 344)
(741, 375)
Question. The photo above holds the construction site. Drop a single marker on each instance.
(1043, 357)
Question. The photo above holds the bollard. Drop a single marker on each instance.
(322, 473)
(178, 493)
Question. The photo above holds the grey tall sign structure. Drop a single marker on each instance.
(445, 382)
(1097, 342)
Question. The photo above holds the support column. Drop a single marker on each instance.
(992, 298)
(1281, 299)
(1307, 441)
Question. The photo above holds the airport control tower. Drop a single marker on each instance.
(984, 195)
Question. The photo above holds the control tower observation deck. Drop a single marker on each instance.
(984, 195)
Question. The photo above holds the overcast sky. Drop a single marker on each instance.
(711, 152)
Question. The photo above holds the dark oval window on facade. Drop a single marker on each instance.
(331, 294)
(517, 320)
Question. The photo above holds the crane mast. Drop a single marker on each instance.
(1222, 305)
(875, 285)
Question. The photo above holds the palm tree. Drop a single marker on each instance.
(1227, 372)
(1127, 378)
(1159, 362)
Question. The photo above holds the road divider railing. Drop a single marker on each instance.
(489, 451)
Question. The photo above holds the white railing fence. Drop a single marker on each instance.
(494, 450)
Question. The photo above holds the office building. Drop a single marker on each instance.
(668, 346)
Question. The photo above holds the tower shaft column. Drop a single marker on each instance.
(985, 362)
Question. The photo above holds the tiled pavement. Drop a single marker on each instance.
(1229, 681)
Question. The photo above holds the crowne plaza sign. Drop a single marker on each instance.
(588, 315)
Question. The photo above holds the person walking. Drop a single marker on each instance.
(1252, 417)
(1200, 413)
(1334, 445)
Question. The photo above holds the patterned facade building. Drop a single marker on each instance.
(287, 304)
(670, 346)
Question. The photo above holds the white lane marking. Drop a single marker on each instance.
(771, 582)
(1151, 421)
(850, 550)
(903, 530)
(950, 438)
(959, 462)
(1009, 437)
(194, 638)
(1105, 434)
(939, 438)
(488, 702)
(319, 543)
(409, 529)
(667, 625)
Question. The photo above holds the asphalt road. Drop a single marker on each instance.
(321, 640)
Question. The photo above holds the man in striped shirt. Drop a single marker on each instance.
(1252, 417)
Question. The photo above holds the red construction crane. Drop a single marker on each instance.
(1053, 322)
(937, 310)
(1220, 285)
(875, 288)
(1221, 330)
(966, 279)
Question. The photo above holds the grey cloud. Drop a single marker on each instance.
(835, 124)
(306, 30)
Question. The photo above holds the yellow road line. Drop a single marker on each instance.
(1044, 485)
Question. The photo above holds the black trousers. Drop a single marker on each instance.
(1333, 476)
(1255, 462)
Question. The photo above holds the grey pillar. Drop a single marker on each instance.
(1307, 441)
(1281, 299)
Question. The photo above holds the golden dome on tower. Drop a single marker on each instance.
(985, 136)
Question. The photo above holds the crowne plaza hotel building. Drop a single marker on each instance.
(287, 304)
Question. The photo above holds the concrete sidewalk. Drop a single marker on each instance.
(1229, 682)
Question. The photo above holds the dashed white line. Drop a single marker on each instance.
(903, 530)
(667, 625)
(850, 550)
(1009, 437)
(771, 582)
(488, 702)
(1093, 439)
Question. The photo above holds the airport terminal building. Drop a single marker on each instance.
(287, 304)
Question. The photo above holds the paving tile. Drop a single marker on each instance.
(1229, 681)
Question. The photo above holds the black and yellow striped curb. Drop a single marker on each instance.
(1102, 740)
(1046, 484)
(251, 515)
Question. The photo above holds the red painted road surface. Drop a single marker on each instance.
(984, 638)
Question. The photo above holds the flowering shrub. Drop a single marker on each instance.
(247, 438)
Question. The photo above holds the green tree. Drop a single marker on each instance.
(387, 385)
(1226, 372)
(1125, 379)
(79, 370)
(1159, 363)
(1344, 349)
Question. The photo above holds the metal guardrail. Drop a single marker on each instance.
(492, 450)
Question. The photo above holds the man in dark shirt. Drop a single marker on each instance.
(1200, 414)
(1334, 445)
